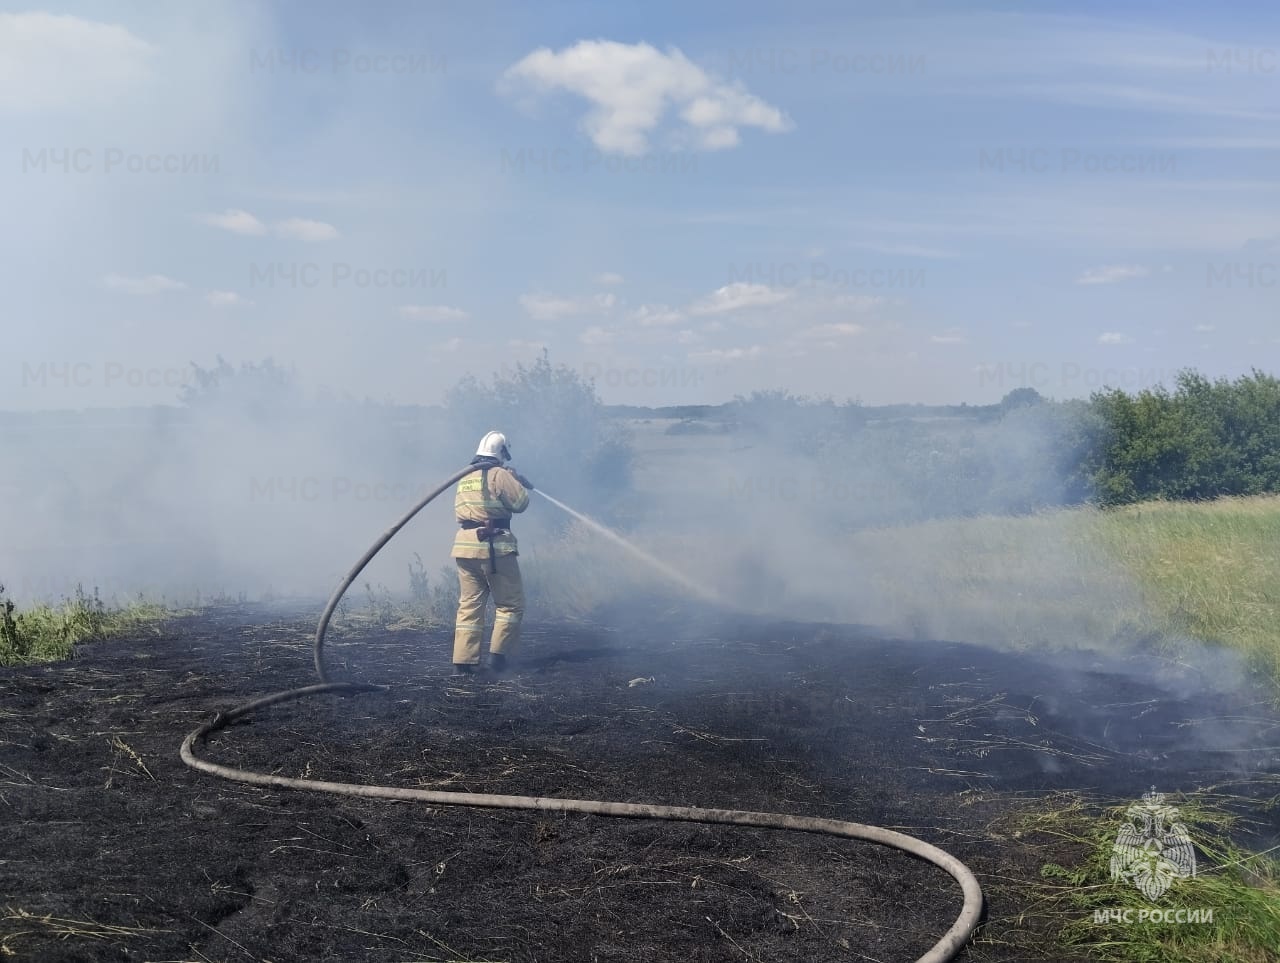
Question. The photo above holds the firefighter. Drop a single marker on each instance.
(485, 551)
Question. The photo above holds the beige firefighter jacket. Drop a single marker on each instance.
(487, 494)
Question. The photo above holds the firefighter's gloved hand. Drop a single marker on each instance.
(523, 481)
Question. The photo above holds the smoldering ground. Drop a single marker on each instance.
(939, 738)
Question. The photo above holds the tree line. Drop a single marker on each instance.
(1198, 439)
(1202, 439)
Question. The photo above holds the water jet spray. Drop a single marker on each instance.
(675, 575)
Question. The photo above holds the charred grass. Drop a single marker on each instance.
(115, 850)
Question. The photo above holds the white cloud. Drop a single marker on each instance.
(526, 347)
(740, 294)
(49, 61)
(859, 302)
(609, 277)
(432, 312)
(295, 228)
(728, 354)
(1112, 274)
(842, 329)
(1218, 143)
(301, 229)
(235, 221)
(151, 284)
(631, 87)
(650, 315)
(550, 307)
(907, 250)
(1131, 97)
(664, 336)
(952, 336)
(1204, 327)
(1114, 337)
(595, 335)
(226, 299)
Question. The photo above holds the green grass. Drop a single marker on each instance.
(1073, 836)
(1029, 582)
(48, 633)
(1160, 572)
(1207, 570)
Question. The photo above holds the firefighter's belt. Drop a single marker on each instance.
(485, 532)
(497, 524)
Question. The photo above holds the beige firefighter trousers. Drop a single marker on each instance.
(475, 584)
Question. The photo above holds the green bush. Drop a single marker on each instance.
(1205, 439)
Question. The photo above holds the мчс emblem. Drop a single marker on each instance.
(1152, 848)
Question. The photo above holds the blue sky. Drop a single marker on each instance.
(933, 202)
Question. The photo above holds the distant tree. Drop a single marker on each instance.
(1205, 439)
(561, 436)
(260, 390)
(797, 422)
(1021, 398)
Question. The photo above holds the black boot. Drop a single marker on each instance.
(462, 668)
(497, 662)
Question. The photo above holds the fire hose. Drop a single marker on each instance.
(952, 941)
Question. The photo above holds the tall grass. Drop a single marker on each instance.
(1159, 572)
(48, 633)
(1039, 581)
(1208, 570)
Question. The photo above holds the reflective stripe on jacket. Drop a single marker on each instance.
(487, 493)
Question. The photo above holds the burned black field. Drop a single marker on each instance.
(113, 849)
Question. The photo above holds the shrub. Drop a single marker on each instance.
(560, 435)
(1203, 440)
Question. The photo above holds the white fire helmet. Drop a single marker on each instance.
(494, 445)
